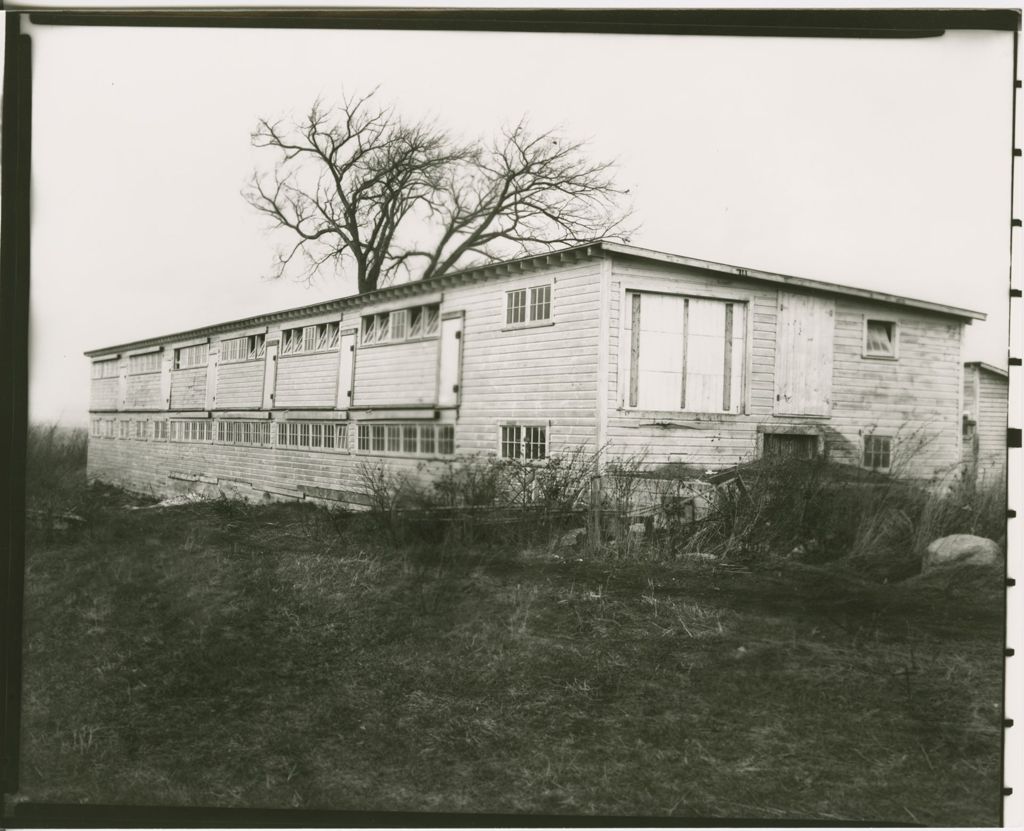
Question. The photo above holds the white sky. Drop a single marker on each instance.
(883, 164)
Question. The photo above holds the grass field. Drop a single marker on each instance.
(222, 655)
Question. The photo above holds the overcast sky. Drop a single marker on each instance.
(883, 164)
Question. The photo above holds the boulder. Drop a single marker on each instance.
(961, 549)
(572, 539)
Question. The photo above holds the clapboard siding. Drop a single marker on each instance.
(144, 392)
(539, 374)
(240, 385)
(307, 380)
(396, 374)
(992, 414)
(915, 398)
(188, 388)
(163, 467)
(103, 394)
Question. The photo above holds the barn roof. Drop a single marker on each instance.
(599, 248)
(1002, 373)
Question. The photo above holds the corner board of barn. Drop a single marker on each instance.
(618, 350)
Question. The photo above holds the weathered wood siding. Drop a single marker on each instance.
(804, 354)
(915, 398)
(188, 388)
(103, 394)
(396, 374)
(544, 374)
(307, 380)
(993, 396)
(240, 385)
(144, 392)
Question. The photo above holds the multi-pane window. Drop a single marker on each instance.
(532, 305)
(879, 338)
(406, 439)
(96, 428)
(124, 428)
(141, 429)
(253, 433)
(108, 428)
(139, 364)
(160, 429)
(313, 435)
(684, 353)
(321, 337)
(401, 325)
(878, 452)
(519, 441)
(105, 369)
(188, 357)
(250, 348)
(191, 430)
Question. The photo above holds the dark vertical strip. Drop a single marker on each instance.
(634, 353)
(14, 269)
(727, 374)
(686, 334)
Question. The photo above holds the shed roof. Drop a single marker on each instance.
(598, 248)
(1002, 373)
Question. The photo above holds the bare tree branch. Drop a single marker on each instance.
(359, 185)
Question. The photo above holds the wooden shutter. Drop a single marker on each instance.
(805, 333)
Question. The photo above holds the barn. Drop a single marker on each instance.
(986, 396)
(598, 346)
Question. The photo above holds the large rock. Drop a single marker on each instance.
(961, 549)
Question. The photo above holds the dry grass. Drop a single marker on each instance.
(223, 655)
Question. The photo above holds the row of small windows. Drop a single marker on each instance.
(403, 324)
(306, 339)
(397, 439)
(250, 348)
(407, 439)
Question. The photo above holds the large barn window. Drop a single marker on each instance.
(322, 337)
(880, 338)
(401, 325)
(684, 353)
(250, 348)
(188, 357)
(160, 429)
(105, 369)
(406, 439)
(526, 306)
(141, 364)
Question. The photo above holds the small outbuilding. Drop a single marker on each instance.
(986, 397)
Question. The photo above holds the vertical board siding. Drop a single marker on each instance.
(103, 393)
(144, 392)
(396, 373)
(993, 395)
(188, 388)
(240, 385)
(804, 354)
(307, 380)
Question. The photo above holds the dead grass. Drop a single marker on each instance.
(225, 655)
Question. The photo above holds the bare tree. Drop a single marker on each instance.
(359, 186)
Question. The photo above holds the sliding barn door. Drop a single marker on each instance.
(803, 354)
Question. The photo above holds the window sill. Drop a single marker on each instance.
(515, 327)
(423, 457)
(334, 350)
(148, 372)
(223, 362)
(680, 415)
(891, 358)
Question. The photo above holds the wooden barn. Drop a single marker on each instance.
(986, 397)
(601, 345)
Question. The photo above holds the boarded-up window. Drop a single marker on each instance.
(788, 446)
(105, 369)
(686, 353)
(139, 364)
(804, 354)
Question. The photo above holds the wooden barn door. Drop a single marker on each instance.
(803, 355)
(449, 361)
